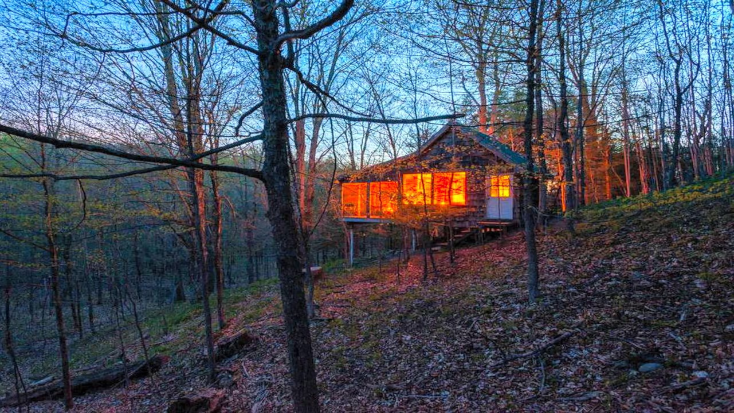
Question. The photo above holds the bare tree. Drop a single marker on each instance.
(678, 48)
(530, 186)
(569, 199)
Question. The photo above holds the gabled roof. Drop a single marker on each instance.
(498, 148)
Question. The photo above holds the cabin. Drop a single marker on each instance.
(460, 181)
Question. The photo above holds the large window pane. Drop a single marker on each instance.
(442, 189)
(354, 199)
(383, 198)
(450, 188)
(458, 188)
(417, 188)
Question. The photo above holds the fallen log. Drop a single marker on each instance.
(84, 383)
(40, 382)
(228, 346)
(207, 401)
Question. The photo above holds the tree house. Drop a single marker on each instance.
(461, 180)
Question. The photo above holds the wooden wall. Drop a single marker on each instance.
(453, 152)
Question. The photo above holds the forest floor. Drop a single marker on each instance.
(637, 314)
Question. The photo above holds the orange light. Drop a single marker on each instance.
(458, 188)
(445, 188)
(383, 198)
(450, 188)
(499, 186)
(417, 188)
(442, 188)
(354, 199)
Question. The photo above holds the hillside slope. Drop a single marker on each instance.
(637, 314)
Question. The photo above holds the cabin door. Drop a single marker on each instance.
(500, 197)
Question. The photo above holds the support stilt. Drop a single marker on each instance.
(351, 246)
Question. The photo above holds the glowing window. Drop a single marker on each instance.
(354, 199)
(383, 198)
(450, 188)
(499, 186)
(417, 188)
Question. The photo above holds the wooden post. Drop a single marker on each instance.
(452, 250)
(351, 246)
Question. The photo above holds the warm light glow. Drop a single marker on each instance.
(499, 186)
(354, 199)
(445, 188)
(417, 188)
(383, 198)
(450, 188)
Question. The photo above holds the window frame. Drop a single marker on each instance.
(362, 199)
(431, 197)
(500, 186)
(454, 184)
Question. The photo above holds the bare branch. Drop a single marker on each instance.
(89, 177)
(376, 120)
(309, 31)
(86, 45)
(318, 91)
(204, 23)
(21, 239)
(245, 115)
(58, 143)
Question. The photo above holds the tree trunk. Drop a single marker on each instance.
(53, 254)
(138, 267)
(580, 122)
(217, 233)
(281, 213)
(481, 73)
(8, 341)
(249, 216)
(529, 181)
(670, 177)
(69, 290)
(626, 146)
(307, 207)
(495, 96)
(569, 198)
(540, 133)
(201, 253)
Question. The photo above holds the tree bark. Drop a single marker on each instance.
(281, 213)
(53, 255)
(530, 186)
(566, 149)
(249, 218)
(217, 234)
(540, 133)
(626, 147)
(481, 74)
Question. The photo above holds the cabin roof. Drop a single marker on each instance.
(488, 142)
(498, 148)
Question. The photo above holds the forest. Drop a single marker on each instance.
(379, 205)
